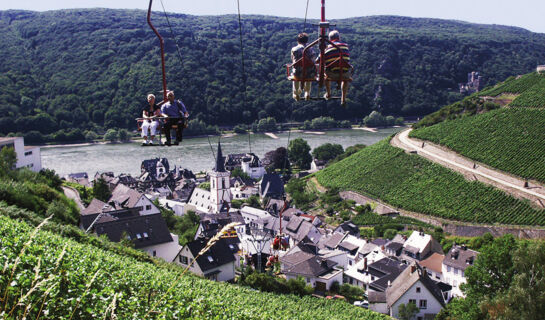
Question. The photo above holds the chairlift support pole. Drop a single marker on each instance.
(162, 42)
(324, 25)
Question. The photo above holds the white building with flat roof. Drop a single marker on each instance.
(27, 156)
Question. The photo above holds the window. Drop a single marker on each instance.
(448, 268)
(413, 301)
(308, 280)
(417, 289)
(423, 304)
(148, 207)
(28, 153)
(183, 259)
(154, 253)
(210, 259)
(146, 235)
(222, 184)
(455, 283)
(138, 236)
(462, 272)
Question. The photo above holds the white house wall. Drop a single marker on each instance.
(147, 206)
(166, 251)
(455, 277)
(433, 306)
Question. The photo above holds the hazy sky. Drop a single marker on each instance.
(527, 14)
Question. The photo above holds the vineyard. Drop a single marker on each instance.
(514, 85)
(413, 183)
(511, 139)
(47, 276)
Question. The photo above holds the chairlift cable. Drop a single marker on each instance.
(306, 12)
(243, 70)
(172, 34)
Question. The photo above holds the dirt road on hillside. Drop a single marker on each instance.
(516, 186)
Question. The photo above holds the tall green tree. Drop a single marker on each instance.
(407, 311)
(8, 159)
(101, 191)
(327, 151)
(299, 153)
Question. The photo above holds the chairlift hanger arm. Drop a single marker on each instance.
(162, 42)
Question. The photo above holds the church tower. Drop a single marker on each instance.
(219, 184)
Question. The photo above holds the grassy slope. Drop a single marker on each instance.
(136, 286)
(511, 139)
(413, 183)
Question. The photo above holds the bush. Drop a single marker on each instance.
(111, 135)
(240, 129)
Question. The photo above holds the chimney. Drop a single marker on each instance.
(365, 263)
(413, 268)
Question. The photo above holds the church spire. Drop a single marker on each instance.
(220, 160)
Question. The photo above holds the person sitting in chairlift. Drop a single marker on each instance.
(301, 71)
(150, 124)
(333, 65)
(176, 112)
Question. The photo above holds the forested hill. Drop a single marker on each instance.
(91, 69)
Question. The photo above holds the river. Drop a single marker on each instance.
(193, 153)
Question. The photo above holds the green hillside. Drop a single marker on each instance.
(91, 283)
(510, 138)
(65, 72)
(413, 183)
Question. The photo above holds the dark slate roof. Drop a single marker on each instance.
(78, 175)
(295, 258)
(395, 246)
(460, 257)
(150, 165)
(276, 185)
(220, 254)
(96, 206)
(313, 267)
(144, 231)
(87, 219)
(220, 160)
(349, 227)
(386, 266)
(348, 246)
(381, 284)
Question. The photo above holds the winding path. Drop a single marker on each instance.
(472, 170)
(74, 195)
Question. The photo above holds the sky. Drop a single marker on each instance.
(527, 14)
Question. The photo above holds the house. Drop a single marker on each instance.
(27, 156)
(125, 179)
(108, 177)
(148, 233)
(211, 224)
(373, 276)
(101, 211)
(218, 263)
(394, 248)
(418, 246)
(454, 265)
(79, 178)
(124, 197)
(271, 186)
(251, 165)
(349, 227)
(318, 272)
(413, 285)
(242, 189)
(256, 218)
(183, 190)
(300, 227)
(434, 266)
(234, 160)
(180, 208)
(316, 165)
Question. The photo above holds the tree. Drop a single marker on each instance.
(237, 172)
(407, 311)
(278, 158)
(8, 159)
(90, 135)
(124, 135)
(327, 151)
(101, 191)
(111, 135)
(299, 153)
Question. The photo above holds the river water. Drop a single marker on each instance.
(193, 153)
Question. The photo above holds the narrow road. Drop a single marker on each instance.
(471, 170)
(74, 195)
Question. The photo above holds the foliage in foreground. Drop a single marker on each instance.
(413, 183)
(511, 139)
(52, 277)
(507, 281)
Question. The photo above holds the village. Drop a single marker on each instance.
(271, 236)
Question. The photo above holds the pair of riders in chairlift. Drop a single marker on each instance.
(303, 74)
(172, 111)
